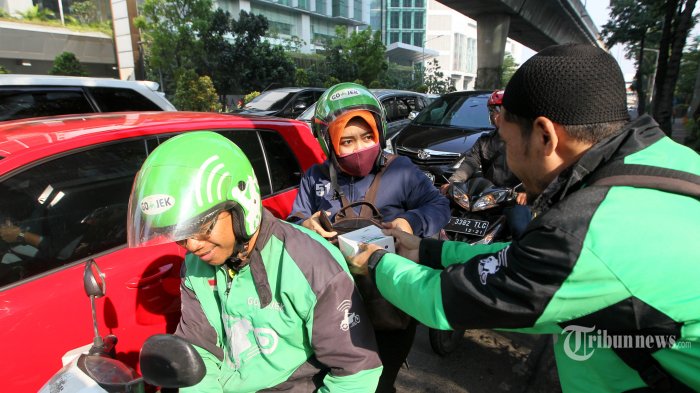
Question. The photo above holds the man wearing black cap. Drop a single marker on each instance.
(610, 264)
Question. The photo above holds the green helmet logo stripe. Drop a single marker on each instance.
(221, 182)
(198, 181)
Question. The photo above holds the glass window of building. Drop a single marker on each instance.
(340, 8)
(357, 10)
(420, 4)
(406, 38)
(394, 18)
(396, 3)
(418, 39)
(407, 3)
(471, 55)
(406, 20)
(393, 37)
(321, 7)
(303, 4)
(418, 20)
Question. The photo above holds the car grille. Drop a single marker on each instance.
(426, 157)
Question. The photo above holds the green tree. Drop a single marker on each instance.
(85, 11)
(359, 55)
(170, 31)
(67, 64)
(400, 77)
(35, 13)
(635, 24)
(509, 68)
(435, 79)
(678, 20)
(688, 73)
(196, 93)
(3, 70)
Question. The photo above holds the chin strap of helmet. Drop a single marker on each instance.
(240, 246)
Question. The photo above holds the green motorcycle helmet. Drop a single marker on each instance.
(185, 183)
(340, 99)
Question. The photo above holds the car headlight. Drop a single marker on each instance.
(490, 200)
(459, 162)
(461, 198)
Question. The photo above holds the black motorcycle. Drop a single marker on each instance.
(478, 217)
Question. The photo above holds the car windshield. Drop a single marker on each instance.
(456, 111)
(308, 114)
(269, 101)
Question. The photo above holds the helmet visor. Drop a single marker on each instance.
(169, 204)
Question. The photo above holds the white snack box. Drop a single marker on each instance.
(349, 242)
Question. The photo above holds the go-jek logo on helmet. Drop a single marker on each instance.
(345, 93)
(157, 204)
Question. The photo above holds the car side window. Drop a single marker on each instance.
(303, 101)
(121, 100)
(66, 209)
(285, 171)
(24, 103)
(402, 109)
(248, 141)
(390, 108)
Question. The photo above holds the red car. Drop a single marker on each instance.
(64, 189)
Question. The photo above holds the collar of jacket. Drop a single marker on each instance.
(257, 267)
(633, 137)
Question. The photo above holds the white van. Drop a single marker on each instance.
(23, 96)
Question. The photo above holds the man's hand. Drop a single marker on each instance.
(9, 232)
(444, 188)
(406, 244)
(400, 224)
(358, 263)
(521, 198)
(314, 224)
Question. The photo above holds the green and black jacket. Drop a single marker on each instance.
(291, 320)
(597, 261)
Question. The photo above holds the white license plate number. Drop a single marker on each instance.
(467, 226)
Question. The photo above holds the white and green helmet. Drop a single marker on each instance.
(340, 99)
(185, 183)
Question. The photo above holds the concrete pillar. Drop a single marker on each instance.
(491, 35)
(126, 38)
(305, 32)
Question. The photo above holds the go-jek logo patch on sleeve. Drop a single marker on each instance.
(157, 204)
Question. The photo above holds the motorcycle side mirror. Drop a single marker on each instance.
(93, 279)
(169, 361)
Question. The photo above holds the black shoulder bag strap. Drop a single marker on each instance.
(371, 194)
(664, 179)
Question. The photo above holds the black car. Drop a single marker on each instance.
(287, 102)
(398, 105)
(446, 129)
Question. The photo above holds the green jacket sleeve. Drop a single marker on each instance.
(490, 286)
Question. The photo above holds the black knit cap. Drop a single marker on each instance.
(569, 84)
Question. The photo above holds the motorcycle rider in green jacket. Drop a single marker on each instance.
(267, 304)
(610, 264)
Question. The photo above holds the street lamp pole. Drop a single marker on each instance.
(423, 57)
(653, 77)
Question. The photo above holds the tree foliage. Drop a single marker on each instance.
(356, 56)
(435, 79)
(660, 25)
(67, 64)
(508, 69)
(636, 25)
(196, 93)
(3, 70)
(170, 30)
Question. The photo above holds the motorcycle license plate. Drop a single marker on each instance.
(467, 226)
